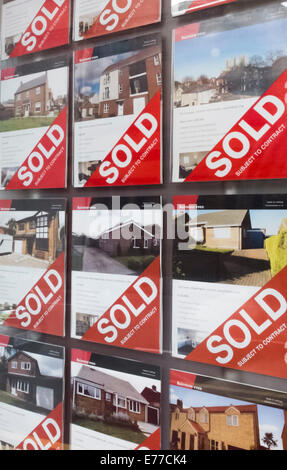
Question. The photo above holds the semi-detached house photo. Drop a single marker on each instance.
(115, 86)
(201, 421)
(109, 402)
(30, 381)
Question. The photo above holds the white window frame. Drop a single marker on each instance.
(134, 409)
(159, 78)
(14, 364)
(37, 106)
(156, 59)
(106, 108)
(23, 386)
(38, 90)
(232, 420)
(97, 391)
(116, 402)
(25, 365)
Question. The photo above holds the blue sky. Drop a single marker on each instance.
(208, 54)
(270, 419)
(260, 218)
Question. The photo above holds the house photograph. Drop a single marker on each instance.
(115, 242)
(244, 247)
(31, 239)
(203, 421)
(30, 381)
(117, 85)
(33, 100)
(229, 65)
(121, 405)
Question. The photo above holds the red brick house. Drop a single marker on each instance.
(26, 382)
(101, 394)
(152, 395)
(38, 236)
(33, 98)
(127, 86)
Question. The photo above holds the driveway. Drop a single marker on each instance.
(95, 260)
(147, 428)
(25, 261)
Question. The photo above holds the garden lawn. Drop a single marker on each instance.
(118, 431)
(17, 124)
(25, 405)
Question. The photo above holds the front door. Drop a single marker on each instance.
(183, 435)
(13, 388)
(139, 105)
(27, 110)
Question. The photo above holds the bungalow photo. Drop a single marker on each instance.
(245, 246)
(123, 406)
(33, 100)
(203, 421)
(221, 67)
(30, 381)
(116, 242)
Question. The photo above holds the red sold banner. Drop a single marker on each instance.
(48, 435)
(136, 158)
(49, 28)
(254, 338)
(133, 321)
(45, 167)
(119, 15)
(151, 443)
(200, 4)
(42, 309)
(255, 146)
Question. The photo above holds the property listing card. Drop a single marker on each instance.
(32, 265)
(229, 282)
(229, 106)
(31, 395)
(115, 403)
(33, 125)
(100, 17)
(33, 25)
(214, 414)
(117, 113)
(116, 271)
(182, 7)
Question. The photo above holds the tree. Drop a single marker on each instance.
(269, 440)
(12, 226)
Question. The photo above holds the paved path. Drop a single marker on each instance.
(95, 260)
(147, 428)
(27, 261)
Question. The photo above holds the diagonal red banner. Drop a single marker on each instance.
(49, 28)
(151, 443)
(45, 166)
(133, 321)
(254, 148)
(136, 158)
(200, 4)
(124, 14)
(48, 435)
(42, 308)
(253, 338)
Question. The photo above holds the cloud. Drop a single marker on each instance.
(86, 90)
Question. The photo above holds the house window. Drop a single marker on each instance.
(120, 402)
(25, 365)
(232, 420)
(42, 233)
(19, 97)
(145, 243)
(21, 226)
(38, 90)
(139, 68)
(139, 85)
(158, 79)
(106, 108)
(32, 224)
(107, 78)
(156, 59)
(106, 94)
(214, 445)
(135, 245)
(108, 397)
(23, 386)
(38, 107)
(88, 391)
(204, 417)
(134, 406)
(14, 364)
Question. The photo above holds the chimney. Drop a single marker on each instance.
(179, 404)
(154, 388)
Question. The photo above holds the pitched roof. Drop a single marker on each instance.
(222, 409)
(196, 426)
(142, 55)
(110, 384)
(223, 218)
(36, 82)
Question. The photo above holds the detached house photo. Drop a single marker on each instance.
(112, 402)
(31, 239)
(31, 101)
(30, 381)
(219, 424)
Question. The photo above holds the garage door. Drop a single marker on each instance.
(45, 398)
(18, 246)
